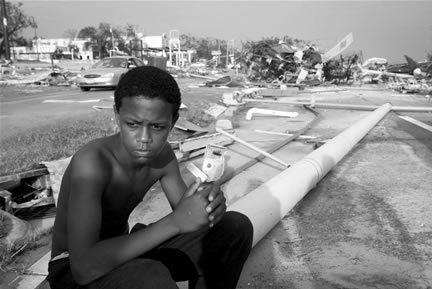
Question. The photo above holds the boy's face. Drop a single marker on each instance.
(144, 125)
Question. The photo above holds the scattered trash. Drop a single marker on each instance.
(215, 110)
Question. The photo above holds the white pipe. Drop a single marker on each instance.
(255, 110)
(343, 106)
(375, 72)
(412, 109)
(270, 202)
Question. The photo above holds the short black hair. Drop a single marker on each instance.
(151, 82)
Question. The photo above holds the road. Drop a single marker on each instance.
(28, 107)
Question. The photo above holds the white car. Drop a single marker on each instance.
(106, 72)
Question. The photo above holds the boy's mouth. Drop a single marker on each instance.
(143, 153)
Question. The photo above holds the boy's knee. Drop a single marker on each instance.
(141, 273)
(239, 225)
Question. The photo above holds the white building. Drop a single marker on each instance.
(48, 46)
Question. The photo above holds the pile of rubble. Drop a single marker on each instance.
(13, 74)
(270, 62)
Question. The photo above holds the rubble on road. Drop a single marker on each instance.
(16, 74)
(271, 63)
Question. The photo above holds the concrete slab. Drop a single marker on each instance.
(34, 275)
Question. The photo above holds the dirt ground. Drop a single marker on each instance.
(367, 223)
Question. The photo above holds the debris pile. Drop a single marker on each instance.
(268, 62)
(12, 74)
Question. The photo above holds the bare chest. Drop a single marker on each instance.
(126, 191)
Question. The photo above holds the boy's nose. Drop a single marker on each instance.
(145, 135)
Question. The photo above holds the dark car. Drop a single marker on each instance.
(106, 72)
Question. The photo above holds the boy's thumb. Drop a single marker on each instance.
(193, 187)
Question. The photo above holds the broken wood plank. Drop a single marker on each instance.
(183, 156)
(191, 144)
(186, 125)
(23, 175)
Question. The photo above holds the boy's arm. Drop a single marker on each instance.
(174, 187)
(171, 181)
(91, 258)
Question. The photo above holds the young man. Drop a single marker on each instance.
(106, 179)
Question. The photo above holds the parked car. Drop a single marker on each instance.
(106, 72)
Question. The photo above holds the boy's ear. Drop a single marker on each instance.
(175, 118)
(116, 115)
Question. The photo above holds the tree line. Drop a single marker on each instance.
(105, 37)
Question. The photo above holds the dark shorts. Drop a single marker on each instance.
(208, 258)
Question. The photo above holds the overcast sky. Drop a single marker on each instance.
(387, 29)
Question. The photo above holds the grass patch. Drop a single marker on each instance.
(62, 139)
(52, 142)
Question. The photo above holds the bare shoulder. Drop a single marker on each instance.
(93, 158)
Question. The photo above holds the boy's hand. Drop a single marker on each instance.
(216, 207)
(190, 214)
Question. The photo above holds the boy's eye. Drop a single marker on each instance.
(131, 124)
(158, 127)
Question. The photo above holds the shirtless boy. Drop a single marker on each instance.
(107, 178)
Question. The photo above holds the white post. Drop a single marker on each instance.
(269, 203)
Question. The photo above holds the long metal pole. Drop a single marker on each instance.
(341, 105)
(5, 28)
(269, 203)
(112, 38)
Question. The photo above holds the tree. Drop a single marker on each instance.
(202, 46)
(102, 37)
(74, 49)
(16, 22)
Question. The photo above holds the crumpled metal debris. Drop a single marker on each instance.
(266, 61)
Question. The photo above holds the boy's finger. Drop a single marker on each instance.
(193, 187)
(216, 200)
(216, 191)
(217, 203)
